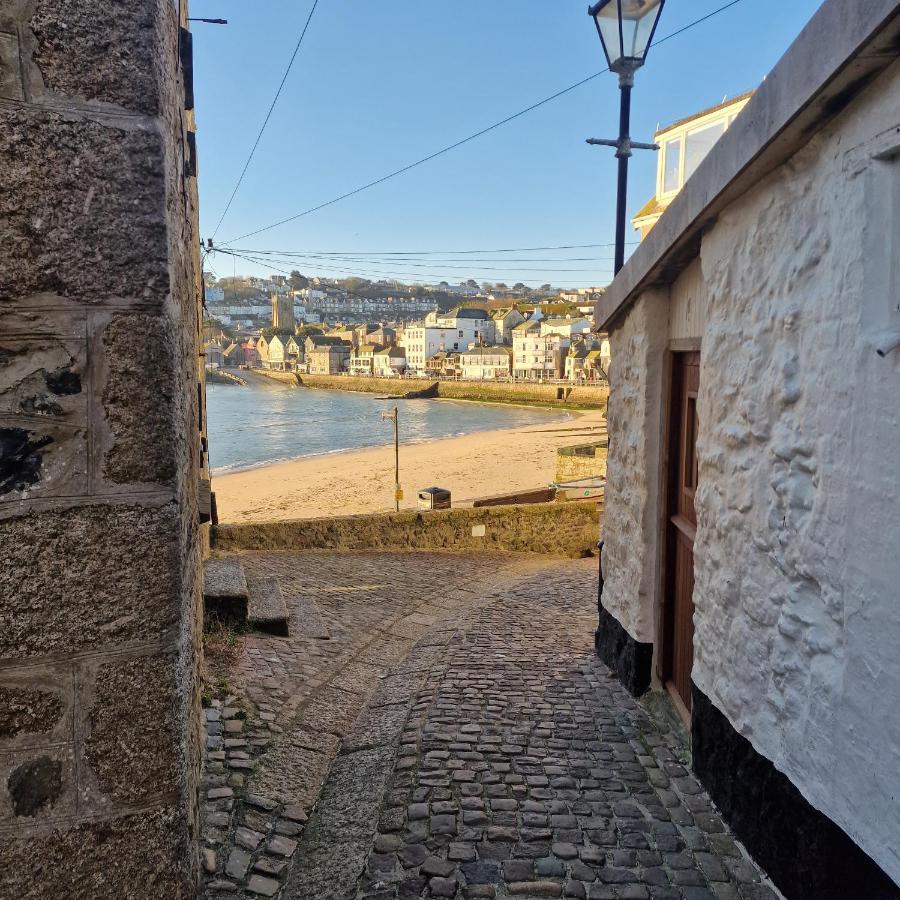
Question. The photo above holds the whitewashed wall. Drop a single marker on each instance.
(797, 593)
(798, 547)
(635, 417)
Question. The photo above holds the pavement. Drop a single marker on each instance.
(437, 725)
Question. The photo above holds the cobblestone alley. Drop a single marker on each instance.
(437, 726)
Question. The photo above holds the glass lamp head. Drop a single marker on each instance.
(626, 29)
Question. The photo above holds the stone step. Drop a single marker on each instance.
(268, 610)
(225, 592)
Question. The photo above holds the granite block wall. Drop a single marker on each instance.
(100, 453)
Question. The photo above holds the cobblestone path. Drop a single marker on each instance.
(486, 753)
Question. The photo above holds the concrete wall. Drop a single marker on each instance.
(796, 623)
(564, 529)
(99, 454)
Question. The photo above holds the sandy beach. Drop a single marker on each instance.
(359, 481)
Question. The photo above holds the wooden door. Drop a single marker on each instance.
(681, 522)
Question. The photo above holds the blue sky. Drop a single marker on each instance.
(378, 85)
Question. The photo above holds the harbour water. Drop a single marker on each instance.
(267, 422)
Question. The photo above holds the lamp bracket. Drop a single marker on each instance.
(623, 145)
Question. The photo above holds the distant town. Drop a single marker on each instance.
(389, 329)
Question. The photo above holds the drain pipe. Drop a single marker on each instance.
(599, 592)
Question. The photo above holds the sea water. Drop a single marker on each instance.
(268, 421)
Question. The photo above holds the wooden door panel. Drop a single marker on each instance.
(678, 637)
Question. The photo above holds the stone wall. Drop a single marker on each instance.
(99, 454)
(562, 529)
(575, 396)
(581, 461)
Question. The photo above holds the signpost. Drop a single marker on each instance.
(398, 491)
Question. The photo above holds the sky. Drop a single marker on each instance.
(378, 85)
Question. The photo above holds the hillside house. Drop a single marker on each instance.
(751, 526)
(504, 321)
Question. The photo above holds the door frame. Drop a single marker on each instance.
(665, 609)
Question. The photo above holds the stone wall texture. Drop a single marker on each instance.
(563, 529)
(796, 562)
(99, 454)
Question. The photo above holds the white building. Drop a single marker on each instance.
(751, 527)
(452, 332)
(471, 324)
(537, 355)
(485, 363)
(566, 327)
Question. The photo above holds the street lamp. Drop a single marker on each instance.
(626, 29)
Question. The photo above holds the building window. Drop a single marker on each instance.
(698, 143)
(672, 171)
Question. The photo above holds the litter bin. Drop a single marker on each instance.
(434, 498)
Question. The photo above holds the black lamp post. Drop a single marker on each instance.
(626, 29)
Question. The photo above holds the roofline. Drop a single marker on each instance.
(807, 88)
(704, 112)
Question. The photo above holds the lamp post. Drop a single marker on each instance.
(626, 29)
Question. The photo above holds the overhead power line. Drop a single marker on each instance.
(287, 72)
(378, 253)
(371, 274)
(418, 264)
(471, 137)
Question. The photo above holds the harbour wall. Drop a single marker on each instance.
(563, 395)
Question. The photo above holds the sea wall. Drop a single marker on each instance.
(561, 529)
(581, 461)
(570, 396)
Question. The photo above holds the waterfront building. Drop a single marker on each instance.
(389, 361)
(262, 351)
(537, 355)
(485, 363)
(326, 354)
(751, 526)
(212, 352)
(588, 359)
(284, 352)
(362, 359)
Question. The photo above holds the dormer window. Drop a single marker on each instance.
(672, 163)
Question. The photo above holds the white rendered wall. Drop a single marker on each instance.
(797, 593)
(635, 421)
